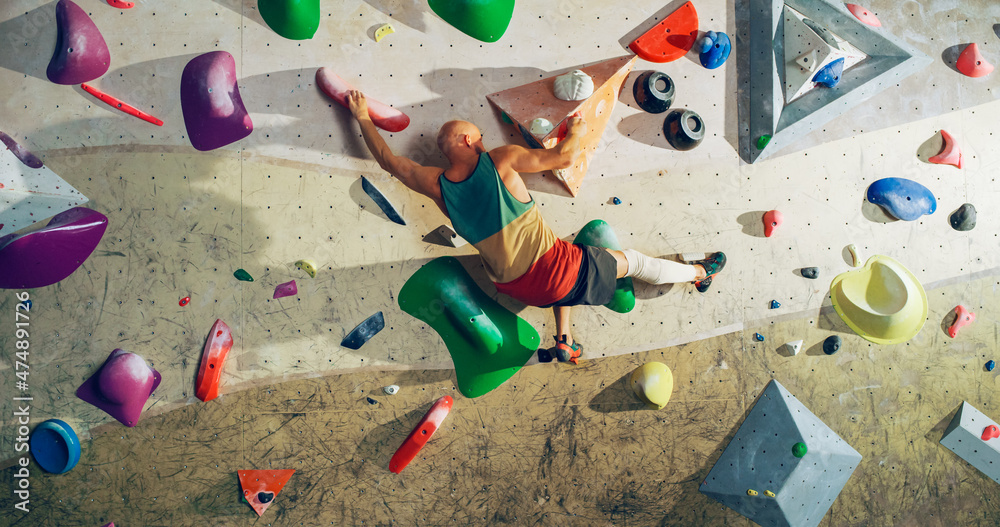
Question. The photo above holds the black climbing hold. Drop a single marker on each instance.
(651, 98)
(831, 344)
(963, 219)
(530, 139)
(265, 497)
(684, 129)
(381, 201)
(364, 331)
(371, 401)
(811, 273)
(544, 355)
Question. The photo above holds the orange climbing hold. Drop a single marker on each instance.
(121, 4)
(772, 219)
(864, 15)
(972, 63)
(671, 39)
(963, 317)
(260, 487)
(421, 434)
(219, 342)
(384, 116)
(950, 153)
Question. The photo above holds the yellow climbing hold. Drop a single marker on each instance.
(769, 494)
(308, 266)
(751, 492)
(381, 32)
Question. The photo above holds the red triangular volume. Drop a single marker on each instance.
(261, 487)
(671, 38)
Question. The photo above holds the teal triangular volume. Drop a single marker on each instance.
(762, 110)
(758, 476)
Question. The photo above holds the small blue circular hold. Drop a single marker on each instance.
(27, 305)
(55, 446)
(990, 365)
(616, 201)
(775, 304)
(714, 49)
(758, 337)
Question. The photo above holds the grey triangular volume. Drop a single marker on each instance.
(760, 37)
(758, 476)
(964, 437)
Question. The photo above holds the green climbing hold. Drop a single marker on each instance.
(243, 276)
(598, 233)
(799, 449)
(487, 343)
(506, 118)
(762, 141)
(292, 19)
(484, 20)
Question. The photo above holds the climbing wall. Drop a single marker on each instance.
(577, 446)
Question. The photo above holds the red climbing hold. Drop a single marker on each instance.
(121, 4)
(421, 434)
(950, 153)
(990, 432)
(972, 63)
(384, 116)
(260, 487)
(184, 301)
(116, 103)
(219, 342)
(772, 219)
(864, 15)
(671, 39)
(963, 317)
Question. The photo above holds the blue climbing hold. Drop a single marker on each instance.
(830, 74)
(902, 198)
(775, 304)
(616, 201)
(27, 305)
(758, 337)
(990, 365)
(714, 49)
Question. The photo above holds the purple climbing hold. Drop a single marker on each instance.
(121, 386)
(52, 253)
(81, 54)
(210, 100)
(286, 289)
(22, 153)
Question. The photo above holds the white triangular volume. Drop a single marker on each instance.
(29, 195)
(809, 47)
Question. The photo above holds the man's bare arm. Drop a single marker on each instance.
(415, 176)
(539, 160)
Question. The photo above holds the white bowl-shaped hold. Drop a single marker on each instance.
(541, 127)
(573, 86)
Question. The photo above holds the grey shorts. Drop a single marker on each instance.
(595, 282)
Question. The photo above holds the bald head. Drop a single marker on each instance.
(458, 134)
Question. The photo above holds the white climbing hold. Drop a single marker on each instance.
(855, 259)
(392, 389)
(573, 86)
(794, 347)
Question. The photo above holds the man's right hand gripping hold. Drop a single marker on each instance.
(489, 206)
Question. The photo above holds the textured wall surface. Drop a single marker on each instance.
(554, 444)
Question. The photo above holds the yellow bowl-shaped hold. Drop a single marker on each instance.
(882, 301)
(308, 266)
(652, 383)
(384, 30)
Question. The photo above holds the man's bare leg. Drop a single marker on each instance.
(623, 265)
(562, 323)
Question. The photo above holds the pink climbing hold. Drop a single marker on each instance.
(121, 386)
(384, 116)
(864, 15)
(950, 153)
(990, 432)
(286, 289)
(121, 4)
(772, 219)
(963, 317)
(81, 53)
(972, 63)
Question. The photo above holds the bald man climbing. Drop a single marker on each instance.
(489, 206)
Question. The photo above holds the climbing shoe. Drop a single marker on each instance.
(566, 352)
(713, 264)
